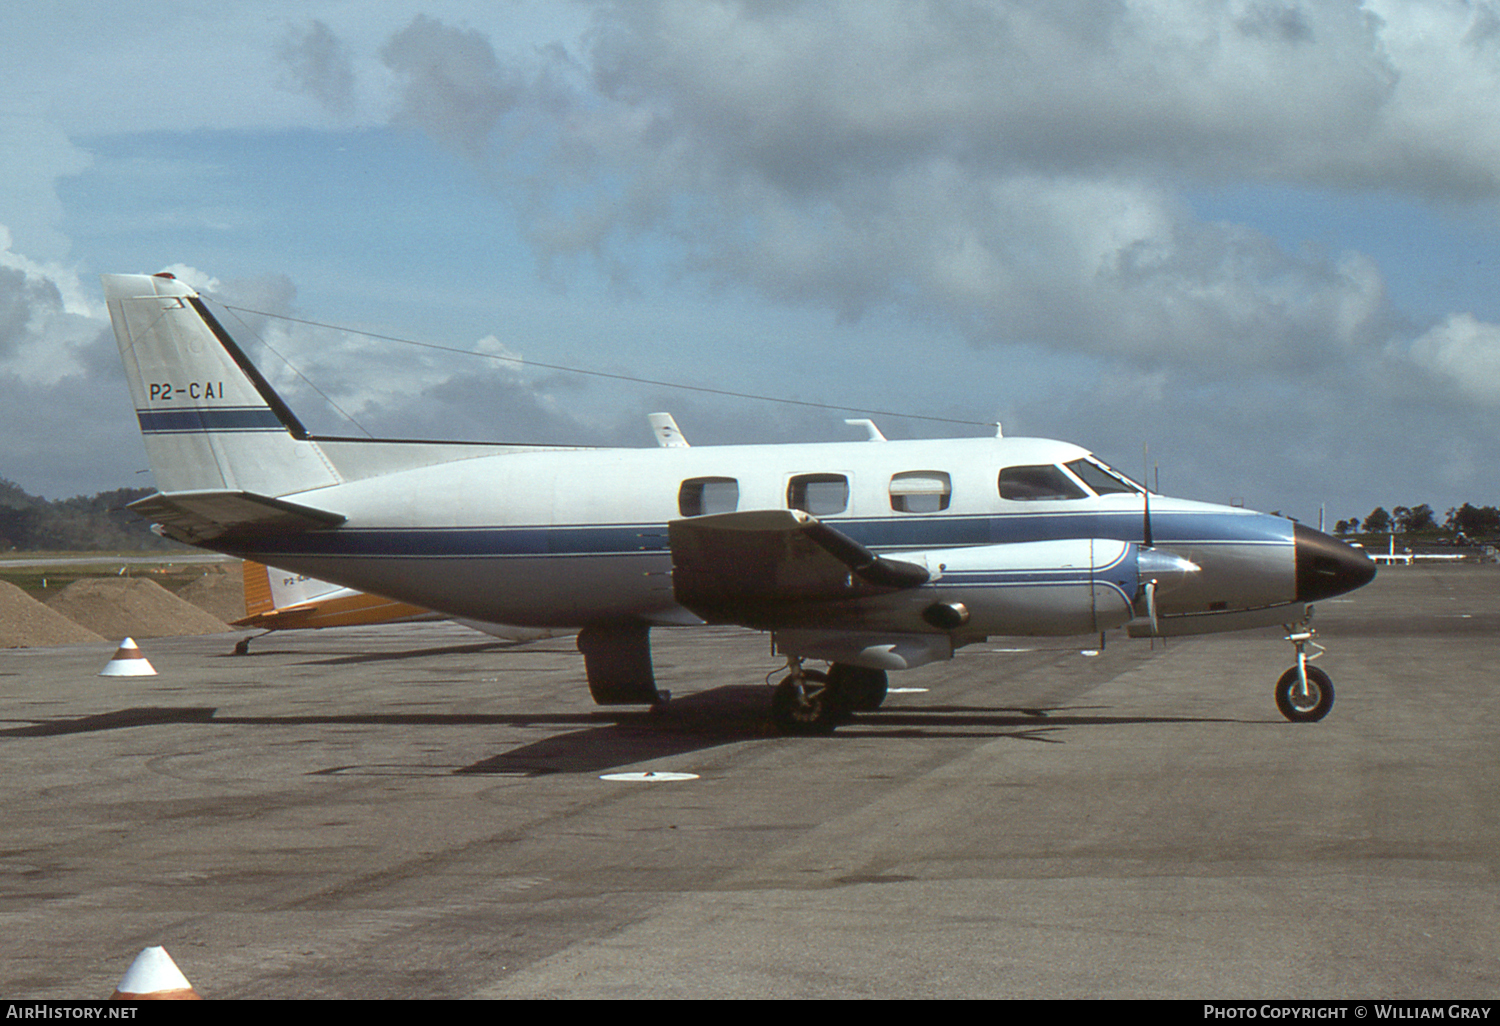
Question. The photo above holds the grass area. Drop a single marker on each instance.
(105, 555)
(44, 574)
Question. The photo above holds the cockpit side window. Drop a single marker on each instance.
(819, 494)
(702, 495)
(1038, 483)
(1102, 479)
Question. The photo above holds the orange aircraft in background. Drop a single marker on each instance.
(278, 600)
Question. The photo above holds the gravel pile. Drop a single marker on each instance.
(220, 593)
(27, 623)
(120, 607)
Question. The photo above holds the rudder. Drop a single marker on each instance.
(256, 578)
(210, 421)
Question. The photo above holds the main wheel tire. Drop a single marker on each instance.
(1309, 707)
(815, 711)
(858, 689)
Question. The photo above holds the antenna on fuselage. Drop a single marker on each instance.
(869, 426)
(668, 434)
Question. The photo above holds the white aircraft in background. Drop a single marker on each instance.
(870, 556)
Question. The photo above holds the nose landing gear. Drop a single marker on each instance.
(1304, 694)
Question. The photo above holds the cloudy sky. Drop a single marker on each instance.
(1258, 237)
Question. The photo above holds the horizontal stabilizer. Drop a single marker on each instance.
(198, 517)
(738, 567)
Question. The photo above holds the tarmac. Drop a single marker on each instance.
(418, 811)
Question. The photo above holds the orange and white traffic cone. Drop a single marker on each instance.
(128, 662)
(153, 976)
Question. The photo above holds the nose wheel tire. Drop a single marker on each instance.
(1304, 704)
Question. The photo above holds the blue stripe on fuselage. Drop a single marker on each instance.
(1167, 527)
(886, 534)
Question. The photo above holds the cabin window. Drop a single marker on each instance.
(819, 494)
(702, 495)
(1039, 483)
(920, 491)
(1101, 479)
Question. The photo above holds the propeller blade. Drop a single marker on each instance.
(1146, 539)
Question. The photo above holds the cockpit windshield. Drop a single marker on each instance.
(1038, 483)
(1102, 479)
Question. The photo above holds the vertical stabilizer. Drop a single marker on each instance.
(287, 590)
(257, 583)
(210, 421)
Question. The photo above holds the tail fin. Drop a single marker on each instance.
(277, 600)
(281, 589)
(210, 421)
(257, 581)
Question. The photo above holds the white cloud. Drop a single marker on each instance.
(193, 277)
(45, 318)
(1005, 168)
(1439, 135)
(1465, 352)
(34, 153)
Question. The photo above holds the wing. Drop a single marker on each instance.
(760, 567)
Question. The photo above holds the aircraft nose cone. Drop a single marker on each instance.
(1327, 567)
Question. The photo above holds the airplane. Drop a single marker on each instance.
(871, 556)
(276, 600)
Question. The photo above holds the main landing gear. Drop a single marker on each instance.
(1304, 694)
(812, 702)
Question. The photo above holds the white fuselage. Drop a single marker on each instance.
(568, 537)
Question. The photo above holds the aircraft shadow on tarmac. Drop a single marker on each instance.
(610, 738)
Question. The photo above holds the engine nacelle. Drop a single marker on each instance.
(1066, 586)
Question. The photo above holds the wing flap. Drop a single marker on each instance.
(744, 567)
(218, 516)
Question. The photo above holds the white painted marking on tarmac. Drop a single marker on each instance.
(649, 776)
(907, 691)
(1012, 650)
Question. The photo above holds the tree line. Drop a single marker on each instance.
(1467, 522)
(84, 523)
